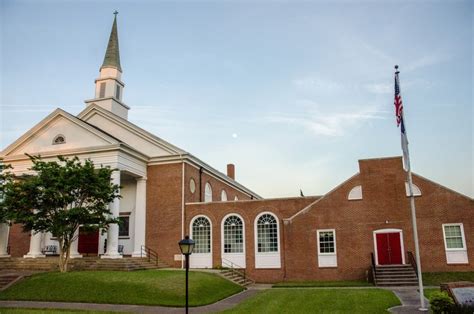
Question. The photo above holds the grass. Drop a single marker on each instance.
(429, 291)
(295, 301)
(435, 279)
(150, 287)
(347, 283)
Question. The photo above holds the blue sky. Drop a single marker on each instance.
(293, 93)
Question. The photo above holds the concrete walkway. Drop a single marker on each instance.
(410, 299)
(215, 307)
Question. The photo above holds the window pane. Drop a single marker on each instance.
(202, 235)
(267, 234)
(233, 235)
(124, 226)
(326, 242)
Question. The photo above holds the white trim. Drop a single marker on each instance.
(207, 187)
(388, 230)
(334, 233)
(267, 259)
(326, 260)
(355, 193)
(416, 190)
(464, 248)
(307, 208)
(456, 255)
(237, 258)
(52, 116)
(206, 258)
(223, 196)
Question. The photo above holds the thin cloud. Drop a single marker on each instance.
(425, 61)
(379, 88)
(328, 124)
(317, 83)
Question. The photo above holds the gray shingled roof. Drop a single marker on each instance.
(112, 55)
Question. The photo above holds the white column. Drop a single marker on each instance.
(4, 231)
(73, 252)
(140, 217)
(113, 232)
(35, 245)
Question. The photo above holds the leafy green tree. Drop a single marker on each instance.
(60, 197)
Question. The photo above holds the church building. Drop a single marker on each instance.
(168, 193)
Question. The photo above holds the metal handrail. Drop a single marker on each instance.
(234, 268)
(147, 252)
(412, 260)
(374, 268)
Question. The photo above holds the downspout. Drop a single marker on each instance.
(182, 205)
(200, 184)
(285, 222)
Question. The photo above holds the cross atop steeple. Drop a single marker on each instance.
(112, 55)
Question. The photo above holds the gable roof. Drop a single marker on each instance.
(43, 124)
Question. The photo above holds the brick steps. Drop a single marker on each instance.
(395, 275)
(236, 276)
(6, 280)
(86, 263)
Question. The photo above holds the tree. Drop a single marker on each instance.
(59, 198)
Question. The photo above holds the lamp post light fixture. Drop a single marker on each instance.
(186, 246)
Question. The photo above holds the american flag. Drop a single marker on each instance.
(398, 100)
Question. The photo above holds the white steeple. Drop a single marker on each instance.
(109, 87)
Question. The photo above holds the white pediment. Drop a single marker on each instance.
(128, 133)
(59, 131)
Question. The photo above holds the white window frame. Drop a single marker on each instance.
(202, 260)
(335, 246)
(326, 256)
(207, 196)
(464, 248)
(223, 196)
(267, 259)
(243, 232)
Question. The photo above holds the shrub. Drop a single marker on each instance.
(441, 303)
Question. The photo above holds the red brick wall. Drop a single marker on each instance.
(384, 205)
(164, 210)
(18, 241)
(249, 211)
(217, 187)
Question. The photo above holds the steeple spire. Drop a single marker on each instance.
(109, 86)
(112, 55)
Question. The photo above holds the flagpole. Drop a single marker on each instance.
(413, 211)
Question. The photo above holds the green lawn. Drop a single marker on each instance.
(151, 287)
(347, 283)
(434, 279)
(296, 300)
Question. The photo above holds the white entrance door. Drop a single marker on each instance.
(202, 236)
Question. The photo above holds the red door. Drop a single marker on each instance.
(389, 250)
(88, 242)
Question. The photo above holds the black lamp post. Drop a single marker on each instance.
(186, 246)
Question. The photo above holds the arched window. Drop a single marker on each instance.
(233, 235)
(355, 193)
(59, 139)
(223, 196)
(201, 234)
(236, 198)
(267, 234)
(208, 193)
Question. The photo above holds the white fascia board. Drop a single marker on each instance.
(46, 120)
(89, 111)
(197, 163)
(307, 208)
